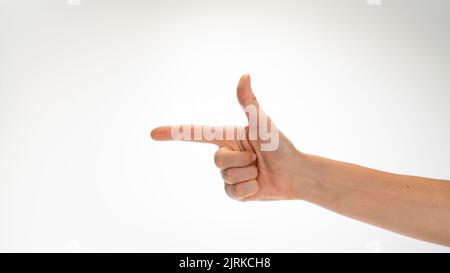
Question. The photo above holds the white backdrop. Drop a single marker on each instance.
(82, 83)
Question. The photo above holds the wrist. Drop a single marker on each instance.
(306, 179)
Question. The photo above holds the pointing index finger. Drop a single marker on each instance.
(220, 136)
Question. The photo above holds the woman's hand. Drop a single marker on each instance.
(252, 166)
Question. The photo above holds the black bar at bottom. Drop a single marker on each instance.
(217, 262)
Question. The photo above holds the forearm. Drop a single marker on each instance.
(414, 206)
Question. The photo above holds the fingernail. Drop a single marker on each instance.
(254, 157)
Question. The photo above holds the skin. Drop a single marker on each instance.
(413, 206)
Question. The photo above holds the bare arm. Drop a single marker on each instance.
(414, 206)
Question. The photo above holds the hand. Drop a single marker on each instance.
(250, 170)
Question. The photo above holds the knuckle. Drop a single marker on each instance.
(228, 175)
(237, 191)
(218, 159)
(228, 190)
(224, 174)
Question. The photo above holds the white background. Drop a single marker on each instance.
(81, 86)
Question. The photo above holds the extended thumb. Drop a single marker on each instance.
(244, 92)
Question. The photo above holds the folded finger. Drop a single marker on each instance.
(226, 158)
(236, 175)
(242, 190)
